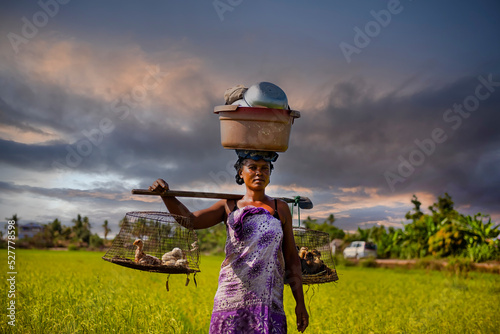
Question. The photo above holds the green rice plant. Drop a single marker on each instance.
(78, 292)
(367, 300)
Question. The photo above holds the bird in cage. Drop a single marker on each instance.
(182, 263)
(170, 258)
(194, 247)
(169, 263)
(143, 258)
(317, 257)
(311, 267)
(303, 252)
(312, 264)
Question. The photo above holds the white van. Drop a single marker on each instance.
(360, 249)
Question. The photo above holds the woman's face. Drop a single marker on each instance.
(256, 173)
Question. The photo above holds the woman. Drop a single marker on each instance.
(260, 253)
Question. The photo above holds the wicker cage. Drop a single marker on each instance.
(169, 243)
(315, 255)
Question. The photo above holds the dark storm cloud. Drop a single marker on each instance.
(134, 141)
(358, 138)
(61, 193)
(352, 142)
(63, 83)
(39, 104)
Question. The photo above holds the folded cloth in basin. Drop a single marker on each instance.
(257, 155)
(234, 93)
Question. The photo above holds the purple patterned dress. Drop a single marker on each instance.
(250, 294)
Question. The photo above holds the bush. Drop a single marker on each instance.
(95, 241)
(212, 240)
(483, 253)
(73, 247)
(449, 240)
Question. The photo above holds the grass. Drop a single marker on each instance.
(78, 292)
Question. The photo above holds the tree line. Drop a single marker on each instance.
(442, 232)
(55, 234)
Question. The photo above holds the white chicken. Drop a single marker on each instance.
(172, 257)
(182, 263)
(143, 258)
(169, 262)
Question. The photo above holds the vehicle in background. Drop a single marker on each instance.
(360, 249)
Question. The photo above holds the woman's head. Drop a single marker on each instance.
(250, 166)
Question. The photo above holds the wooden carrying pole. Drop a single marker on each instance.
(303, 202)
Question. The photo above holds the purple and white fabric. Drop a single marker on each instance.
(250, 294)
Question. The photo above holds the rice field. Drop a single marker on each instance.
(78, 292)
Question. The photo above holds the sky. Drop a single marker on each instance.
(396, 98)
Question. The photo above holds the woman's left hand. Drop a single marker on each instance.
(302, 317)
(159, 185)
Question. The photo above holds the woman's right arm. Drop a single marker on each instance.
(200, 219)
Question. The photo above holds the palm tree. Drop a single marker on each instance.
(330, 220)
(363, 235)
(444, 208)
(86, 223)
(14, 218)
(78, 225)
(86, 230)
(81, 228)
(55, 228)
(418, 213)
(106, 229)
